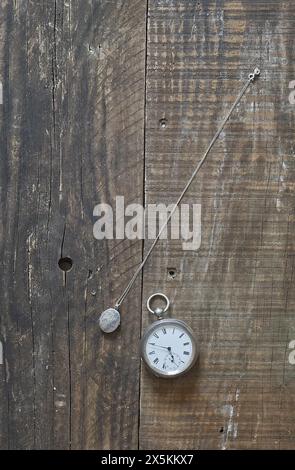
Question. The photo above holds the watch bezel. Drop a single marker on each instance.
(149, 331)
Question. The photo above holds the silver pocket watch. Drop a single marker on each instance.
(168, 347)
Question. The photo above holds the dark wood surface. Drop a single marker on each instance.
(72, 136)
(85, 85)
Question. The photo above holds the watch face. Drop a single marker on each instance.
(169, 348)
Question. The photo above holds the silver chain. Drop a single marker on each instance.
(251, 78)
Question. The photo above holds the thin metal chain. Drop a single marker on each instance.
(251, 78)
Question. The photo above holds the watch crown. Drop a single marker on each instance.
(158, 312)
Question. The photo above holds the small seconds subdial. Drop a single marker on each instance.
(169, 348)
(172, 362)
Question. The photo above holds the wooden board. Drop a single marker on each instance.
(85, 85)
(237, 290)
(72, 128)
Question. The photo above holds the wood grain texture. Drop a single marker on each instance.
(84, 89)
(72, 127)
(237, 290)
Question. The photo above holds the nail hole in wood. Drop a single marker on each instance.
(163, 123)
(171, 273)
(65, 264)
(221, 430)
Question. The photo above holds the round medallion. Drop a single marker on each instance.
(109, 320)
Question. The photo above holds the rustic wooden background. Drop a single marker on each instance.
(85, 86)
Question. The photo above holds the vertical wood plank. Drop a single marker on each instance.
(237, 290)
(72, 127)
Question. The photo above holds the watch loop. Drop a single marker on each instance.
(158, 311)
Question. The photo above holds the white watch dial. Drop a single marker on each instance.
(169, 348)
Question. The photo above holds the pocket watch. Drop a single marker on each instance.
(168, 347)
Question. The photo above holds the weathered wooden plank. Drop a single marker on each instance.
(71, 136)
(237, 290)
